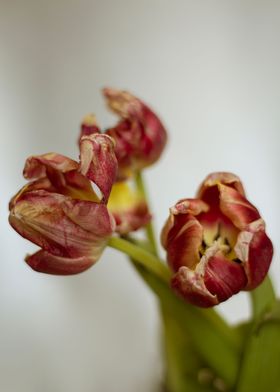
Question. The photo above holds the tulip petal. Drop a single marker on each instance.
(40, 184)
(48, 263)
(62, 174)
(190, 285)
(236, 207)
(254, 249)
(62, 226)
(92, 217)
(128, 208)
(214, 280)
(223, 277)
(182, 234)
(140, 136)
(98, 161)
(89, 126)
(217, 178)
(37, 166)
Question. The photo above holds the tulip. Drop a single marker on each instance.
(216, 243)
(60, 210)
(128, 207)
(139, 135)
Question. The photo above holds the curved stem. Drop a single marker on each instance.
(259, 368)
(149, 227)
(142, 257)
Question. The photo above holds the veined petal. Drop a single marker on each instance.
(224, 277)
(62, 226)
(225, 178)
(123, 103)
(78, 186)
(215, 279)
(189, 206)
(37, 166)
(98, 161)
(182, 234)
(184, 242)
(254, 249)
(92, 217)
(40, 184)
(189, 284)
(62, 174)
(128, 208)
(48, 263)
(236, 207)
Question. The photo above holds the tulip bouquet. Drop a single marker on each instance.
(216, 246)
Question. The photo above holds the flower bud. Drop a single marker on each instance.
(216, 244)
(128, 207)
(139, 135)
(61, 212)
(72, 233)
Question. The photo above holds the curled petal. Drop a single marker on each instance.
(223, 277)
(61, 175)
(92, 217)
(214, 280)
(40, 184)
(182, 234)
(48, 263)
(254, 249)
(190, 285)
(189, 206)
(62, 226)
(78, 186)
(89, 126)
(236, 207)
(128, 208)
(98, 161)
(37, 166)
(225, 178)
(140, 136)
(184, 242)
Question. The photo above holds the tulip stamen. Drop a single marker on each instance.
(218, 235)
(203, 248)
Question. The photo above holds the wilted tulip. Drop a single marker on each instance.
(216, 244)
(61, 212)
(140, 136)
(128, 207)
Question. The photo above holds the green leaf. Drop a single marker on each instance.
(185, 370)
(262, 298)
(260, 367)
(216, 343)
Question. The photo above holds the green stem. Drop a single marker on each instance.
(213, 340)
(259, 370)
(141, 256)
(149, 227)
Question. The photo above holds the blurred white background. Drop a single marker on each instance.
(211, 70)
